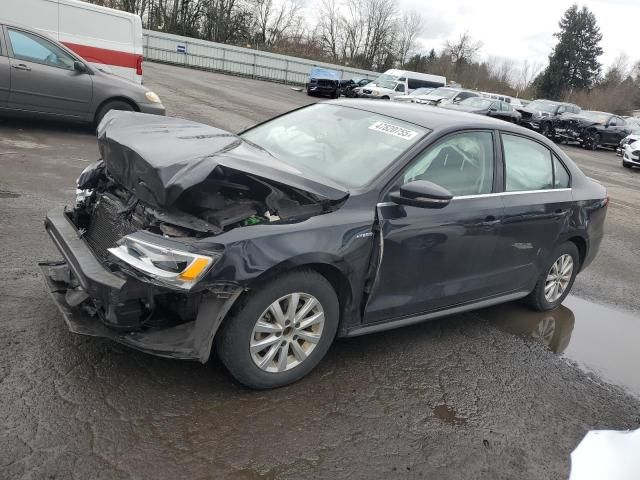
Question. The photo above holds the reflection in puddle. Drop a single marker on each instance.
(599, 339)
(552, 328)
(448, 414)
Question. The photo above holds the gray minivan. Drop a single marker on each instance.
(39, 76)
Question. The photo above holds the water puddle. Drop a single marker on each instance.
(599, 339)
(448, 414)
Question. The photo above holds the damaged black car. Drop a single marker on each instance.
(265, 246)
(592, 129)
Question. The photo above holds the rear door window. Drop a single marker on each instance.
(528, 164)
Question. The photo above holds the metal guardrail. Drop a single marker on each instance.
(206, 55)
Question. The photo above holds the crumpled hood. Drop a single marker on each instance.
(157, 158)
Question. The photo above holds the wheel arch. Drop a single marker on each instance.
(330, 268)
(119, 98)
(581, 245)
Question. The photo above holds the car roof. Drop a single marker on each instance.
(433, 118)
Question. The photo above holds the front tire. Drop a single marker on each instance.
(280, 331)
(626, 164)
(556, 280)
(592, 141)
(112, 105)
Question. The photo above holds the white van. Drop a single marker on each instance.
(108, 38)
(399, 82)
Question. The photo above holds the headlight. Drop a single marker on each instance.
(174, 268)
(152, 97)
(375, 92)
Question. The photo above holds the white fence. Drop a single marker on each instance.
(202, 54)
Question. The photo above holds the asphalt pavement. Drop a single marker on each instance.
(499, 394)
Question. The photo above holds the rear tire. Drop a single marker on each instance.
(279, 362)
(555, 281)
(113, 105)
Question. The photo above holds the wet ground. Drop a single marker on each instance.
(499, 393)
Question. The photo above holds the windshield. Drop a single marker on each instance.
(598, 117)
(386, 81)
(542, 106)
(444, 92)
(421, 91)
(348, 146)
(477, 102)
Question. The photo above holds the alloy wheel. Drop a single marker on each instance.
(558, 278)
(287, 332)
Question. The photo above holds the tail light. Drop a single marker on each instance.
(139, 66)
(606, 200)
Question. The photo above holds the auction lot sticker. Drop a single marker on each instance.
(394, 130)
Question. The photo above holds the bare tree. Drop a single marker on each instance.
(409, 29)
(463, 50)
(353, 28)
(329, 25)
(618, 71)
(273, 20)
(501, 69)
(527, 72)
(380, 20)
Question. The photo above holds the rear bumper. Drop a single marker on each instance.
(97, 302)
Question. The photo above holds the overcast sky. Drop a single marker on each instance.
(521, 29)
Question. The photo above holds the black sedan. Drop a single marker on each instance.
(267, 245)
(348, 87)
(593, 129)
(488, 107)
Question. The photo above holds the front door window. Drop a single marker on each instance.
(32, 48)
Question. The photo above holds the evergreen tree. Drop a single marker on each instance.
(573, 63)
(432, 56)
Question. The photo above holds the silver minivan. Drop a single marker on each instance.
(40, 76)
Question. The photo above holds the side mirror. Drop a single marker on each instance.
(422, 194)
(79, 67)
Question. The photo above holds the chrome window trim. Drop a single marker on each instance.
(520, 192)
(483, 195)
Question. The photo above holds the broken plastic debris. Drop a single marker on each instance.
(607, 454)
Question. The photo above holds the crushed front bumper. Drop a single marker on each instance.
(92, 300)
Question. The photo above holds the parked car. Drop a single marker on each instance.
(446, 95)
(542, 115)
(323, 81)
(275, 241)
(593, 129)
(39, 76)
(419, 95)
(348, 87)
(393, 83)
(629, 150)
(634, 137)
(486, 106)
(110, 39)
(496, 96)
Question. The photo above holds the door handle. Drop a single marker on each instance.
(21, 66)
(490, 221)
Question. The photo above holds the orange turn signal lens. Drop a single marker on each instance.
(193, 271)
